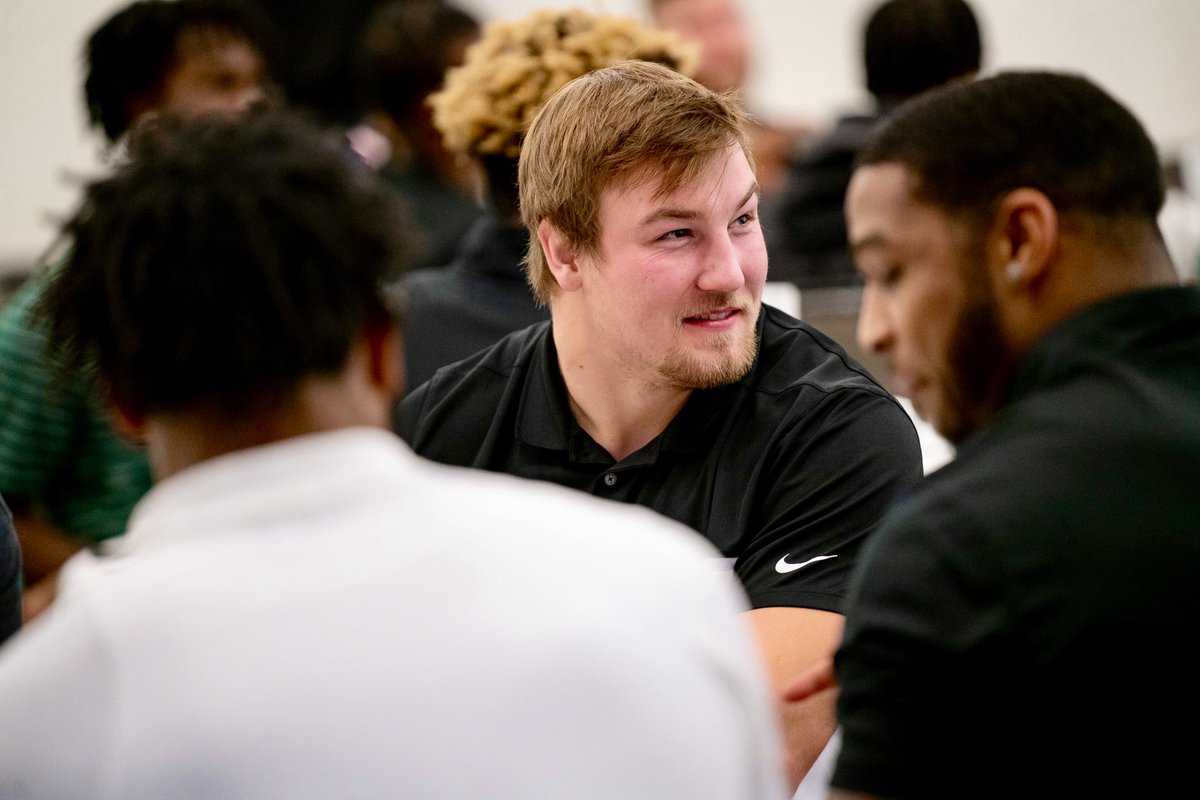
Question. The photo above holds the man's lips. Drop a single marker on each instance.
(716, 315)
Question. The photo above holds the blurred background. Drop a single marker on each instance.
(805, 70)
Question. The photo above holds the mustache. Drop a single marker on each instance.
(717, 302)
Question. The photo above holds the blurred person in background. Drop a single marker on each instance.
(482, 113)
(68, 475)
(908, 47)
(726, 61)
(404, 53)
(317, 43)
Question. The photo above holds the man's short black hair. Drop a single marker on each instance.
(406, 48)
(131, 52)
(913, 45)
(226, 261)
(968, 144)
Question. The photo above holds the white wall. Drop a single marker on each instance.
(1146, 53)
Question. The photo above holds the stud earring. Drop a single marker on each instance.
(1012, 271)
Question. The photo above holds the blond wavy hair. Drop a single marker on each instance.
(487, 103)
(629, 122)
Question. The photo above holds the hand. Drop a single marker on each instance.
(37, 598)
(817, 678)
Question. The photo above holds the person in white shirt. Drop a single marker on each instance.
(302, 607)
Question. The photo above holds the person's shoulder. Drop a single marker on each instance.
(570, 526)
(424, 279)
(837, 146)
(475, 382)
(983, 495)
(18, 321)
(499, 362)
(793, 355)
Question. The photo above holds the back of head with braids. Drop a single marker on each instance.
(227, 260)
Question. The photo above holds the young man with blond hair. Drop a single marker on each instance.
(662, 380)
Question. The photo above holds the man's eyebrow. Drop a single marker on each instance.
(754, 189)
(660, 214)
(689, 213)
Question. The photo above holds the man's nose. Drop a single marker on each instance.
(722, 268)
(873, 330)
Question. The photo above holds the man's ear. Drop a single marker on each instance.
(1026, 240)
(128, 421)
(561, 255)
(385, 354)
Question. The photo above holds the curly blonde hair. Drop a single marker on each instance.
(487, 103)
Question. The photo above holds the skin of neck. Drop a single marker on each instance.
(360, 394)
(1092, 260)
(620, 410)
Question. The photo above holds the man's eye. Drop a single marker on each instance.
(678, 233)
(881, 276)
(744, 219)
(890, 275)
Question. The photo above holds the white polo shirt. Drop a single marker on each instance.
(332, 617)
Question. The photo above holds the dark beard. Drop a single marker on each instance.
(980, 364)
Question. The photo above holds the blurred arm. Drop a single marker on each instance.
(44, 549)
(817, 678)
(792, 641)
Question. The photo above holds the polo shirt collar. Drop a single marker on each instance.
(1107, 330)
(544, 418)
(256, 486)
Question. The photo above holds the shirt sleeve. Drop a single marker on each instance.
(823, 487)
(924, 619)
(37, 410)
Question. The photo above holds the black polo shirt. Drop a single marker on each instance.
(785, 471)
(459, 309)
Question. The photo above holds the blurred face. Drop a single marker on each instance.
(715, 26)
(672, 296)
(214, 73)
(926, 305)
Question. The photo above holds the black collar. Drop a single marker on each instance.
(545, 419)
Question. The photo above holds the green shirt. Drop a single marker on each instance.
(58, 449)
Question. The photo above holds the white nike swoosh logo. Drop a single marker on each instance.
(783, 566)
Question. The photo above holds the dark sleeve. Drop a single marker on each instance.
(10, 576)
(831, 475)
(448, 420)
(407, 412)
(463, 413)
(924, 624)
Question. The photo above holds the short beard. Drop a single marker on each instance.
(978, 360)
(735, 356)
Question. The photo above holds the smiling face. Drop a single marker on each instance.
(927, 305)
(672, 293)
